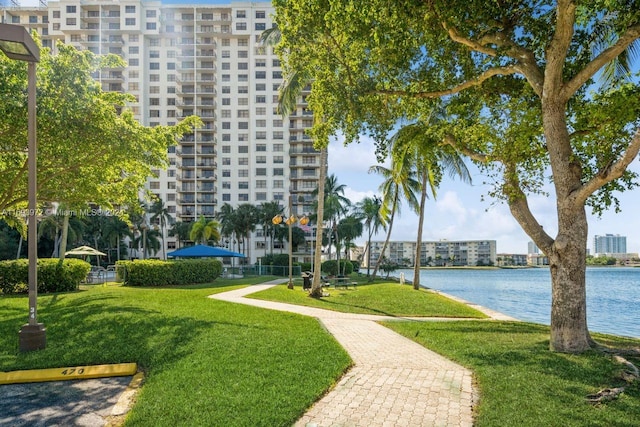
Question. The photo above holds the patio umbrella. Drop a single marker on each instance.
(84, 250)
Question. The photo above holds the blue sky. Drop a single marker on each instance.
(459, 214)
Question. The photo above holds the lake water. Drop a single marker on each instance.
(613, 294)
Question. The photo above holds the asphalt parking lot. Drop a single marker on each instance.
(90, 403)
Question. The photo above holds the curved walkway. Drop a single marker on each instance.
(394, 381)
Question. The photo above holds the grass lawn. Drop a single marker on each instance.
(207, 362)
(382, 298)
(521, 382)
(214, 363)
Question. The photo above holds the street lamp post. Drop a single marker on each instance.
(17, 44)
(289, 222)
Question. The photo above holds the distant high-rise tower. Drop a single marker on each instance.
(610, 244)
(532, 248)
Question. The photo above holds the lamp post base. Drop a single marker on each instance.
(33, 337)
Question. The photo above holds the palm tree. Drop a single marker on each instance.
(417, 145)
(350, 228)
(181, 230)
(204, 230)
(371, 210)
(289, 93)
(245, 222)
(399, 183)
(160, 215)
(115, 230)
(266, 212)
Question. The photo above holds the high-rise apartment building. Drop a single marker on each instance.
(203, 60)
(609, 244)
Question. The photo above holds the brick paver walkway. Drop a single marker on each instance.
(394, 381)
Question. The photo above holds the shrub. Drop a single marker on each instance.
(355, 266)
(330, 267)
(164, 273)
(53, 275)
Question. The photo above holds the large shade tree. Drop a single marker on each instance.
(533, 89)
(90, 147)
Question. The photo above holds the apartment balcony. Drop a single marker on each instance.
(207, 163)
(208, 178)
(209, 200)
(185, 165)
(206, 90)
(207, 151)
(207, 53)
(186, 54)
(112, 77)
(185, 177)
(208, 127)
(185, 151)
(187, 104)
(303, 151)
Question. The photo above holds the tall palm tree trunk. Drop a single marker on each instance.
(423, 200)
(316, 285)
(386, 241)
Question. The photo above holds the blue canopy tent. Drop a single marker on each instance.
(202, 251)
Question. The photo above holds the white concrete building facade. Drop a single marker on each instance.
(203, 60)
(435, 253)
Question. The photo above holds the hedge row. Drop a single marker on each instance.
(163, 273)
(53, 275)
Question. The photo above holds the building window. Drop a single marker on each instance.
(154, 65)
(71, 21)
(261, 123)
(130, 9)
(261, 99)
(241, 26)
(278, 172)
(261, 135)
(261, 147)
(151, 13)
(261, 183)
(261, 159)
(243, 149)
(151, 25)
(260, 14)
(278, 135)
(278, 148)
(243, 197)
(261, 26)
(226, 173)
(243, 185)
(226, 197)
(71, 9)
(243, 173)
(261, 74)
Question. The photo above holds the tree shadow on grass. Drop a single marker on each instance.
(98, 328)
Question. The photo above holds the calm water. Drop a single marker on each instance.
(613, 294)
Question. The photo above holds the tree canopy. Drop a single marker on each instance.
(530, 90)
(90, 147)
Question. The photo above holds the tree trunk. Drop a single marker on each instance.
(386, 242)
(316, 285)
(65, 233)
(567, 253)
(423, 201)
(569, 332)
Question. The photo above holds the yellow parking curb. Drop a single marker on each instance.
(73, 373)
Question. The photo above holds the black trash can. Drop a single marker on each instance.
(306, 281)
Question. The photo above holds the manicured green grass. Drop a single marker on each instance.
(207, 362)
(521, 382)
(382, 298)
